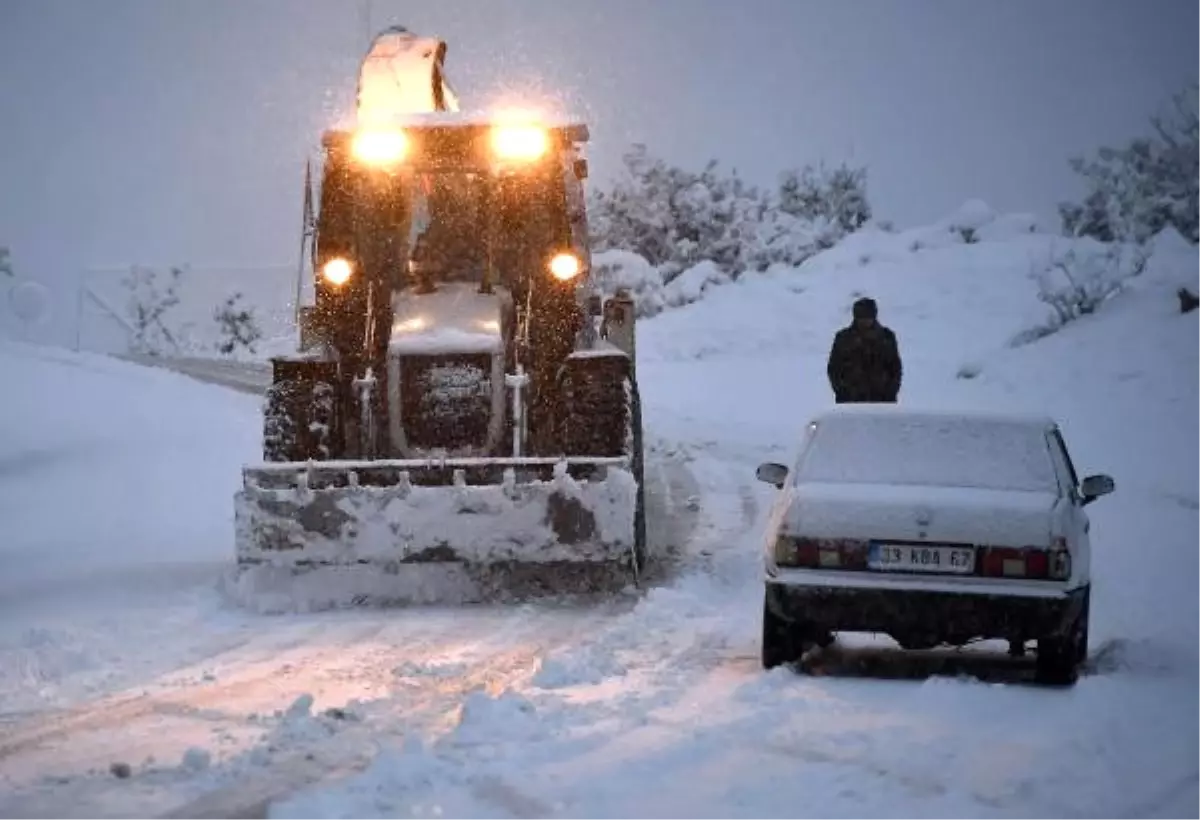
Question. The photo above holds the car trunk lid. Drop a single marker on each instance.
(922, 514)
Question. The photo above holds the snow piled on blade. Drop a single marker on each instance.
(417, 524)
(430, 544)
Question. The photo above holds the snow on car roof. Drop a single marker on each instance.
(889, 445)
(897, 412)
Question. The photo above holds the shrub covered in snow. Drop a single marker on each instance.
(238, 326)
(164, 315)
(669, 234)
(148, 306)
(675, 218)
(5, 263)
(1077, 280)
(822, 195)
(1152, 182)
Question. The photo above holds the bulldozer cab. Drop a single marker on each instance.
(482, 224)
(459, 202)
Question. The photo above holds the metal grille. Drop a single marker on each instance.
(446, 401)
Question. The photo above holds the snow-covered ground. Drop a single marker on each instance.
(116, 648)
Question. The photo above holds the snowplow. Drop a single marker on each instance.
(460, 420)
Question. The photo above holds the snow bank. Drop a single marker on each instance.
(116, 493)
(863, 252)
(144, 459)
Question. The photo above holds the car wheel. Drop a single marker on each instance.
(1084, 615)
(779, 644)
(1059, 658)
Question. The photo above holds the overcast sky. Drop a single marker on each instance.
(166, 131)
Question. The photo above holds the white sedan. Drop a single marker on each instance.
(933, 528)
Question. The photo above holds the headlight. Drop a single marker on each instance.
(337, 271)
(564, 267)
(520, 142)
(380, 147)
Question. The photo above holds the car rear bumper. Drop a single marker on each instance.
(926, 616)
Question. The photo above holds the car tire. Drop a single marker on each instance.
(779, 644)
(1085, 616)
(1059, 657)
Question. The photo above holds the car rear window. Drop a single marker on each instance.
(945, 451)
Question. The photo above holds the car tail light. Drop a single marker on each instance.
(1060, 560)
(1030, 562)
(820, 553)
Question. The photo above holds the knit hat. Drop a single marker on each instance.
(865, 309)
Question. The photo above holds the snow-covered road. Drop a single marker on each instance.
(388, 673)
(117, 648)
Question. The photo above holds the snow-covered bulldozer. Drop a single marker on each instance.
(461, 420)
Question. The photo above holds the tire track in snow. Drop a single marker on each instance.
(421, 671)
(173, 690)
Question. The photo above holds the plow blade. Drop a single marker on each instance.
(316, 535)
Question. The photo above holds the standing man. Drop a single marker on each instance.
(864, 362)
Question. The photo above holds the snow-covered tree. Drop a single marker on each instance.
(1076, 283)
(837, 196)
(635, 214)
(5, 263)
(676, 218)
(147, 307)
(1135, 191)
(238, 326)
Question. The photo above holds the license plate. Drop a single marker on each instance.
(921, 558)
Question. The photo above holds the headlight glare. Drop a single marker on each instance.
(376, 147)
(520, 142)
(337, 271)
(565, 266)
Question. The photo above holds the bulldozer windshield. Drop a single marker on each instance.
(449, 218)
(474, 227)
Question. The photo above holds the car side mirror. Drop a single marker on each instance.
(1095, 486)
(772, 473)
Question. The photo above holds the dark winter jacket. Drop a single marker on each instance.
(864, 365)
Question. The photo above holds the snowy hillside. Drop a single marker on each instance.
(115, 647)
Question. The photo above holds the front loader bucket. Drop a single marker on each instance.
(314, 535)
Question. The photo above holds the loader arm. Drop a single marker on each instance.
(403, 74)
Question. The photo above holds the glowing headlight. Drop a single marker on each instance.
(564, 267)
(521, 142)
(337, 271)
(380, 147)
